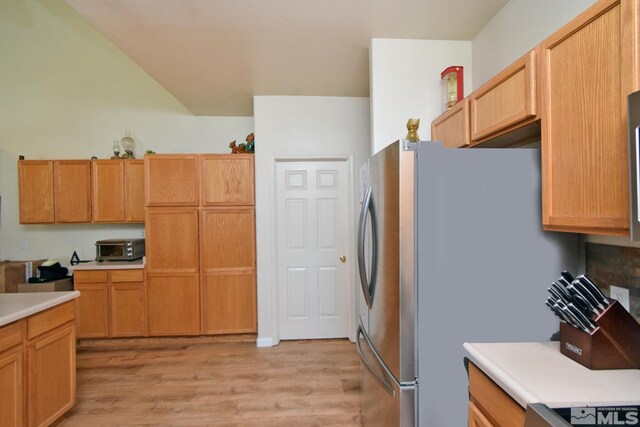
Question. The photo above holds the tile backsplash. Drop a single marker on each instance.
(615, 265)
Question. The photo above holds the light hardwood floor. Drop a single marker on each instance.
(217, 381)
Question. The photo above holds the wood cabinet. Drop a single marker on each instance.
(452, 127)
(111, 303)
(506, 102)
(589, 67)
(72, 190)
(200, 245)
(227, 179)
(35, 185)
(51, 364)
(489, 405)
(12, 403)
(118, 190)
(173, 304)
(172, 180)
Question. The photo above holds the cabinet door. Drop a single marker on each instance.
(171, 180)
(173, 304)
(452, 127)
(477, 418)
(35, 188)
(107, 178)
(506, 101)
(134, 190)
(92, 310)
(72, 190)
(227, 239)
(51, 375)
(227, 179)
(11, 388)
(127, 309)
(588, 71)
(172, 239)
(229, 303)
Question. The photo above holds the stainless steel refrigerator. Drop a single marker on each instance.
(450, 250)
(634, 163)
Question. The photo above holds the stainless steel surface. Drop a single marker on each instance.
(634, 163)
(120, 249)
(380, 375)
(540, 415)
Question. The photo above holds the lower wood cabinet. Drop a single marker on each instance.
(229, 303)
(38, 367)
(11, 387)
(111, 303)
(173, 304)
(489, 405)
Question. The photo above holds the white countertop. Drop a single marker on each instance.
(18, 306)
(539, 373)
(109, 265)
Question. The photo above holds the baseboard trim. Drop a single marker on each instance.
(265, 342)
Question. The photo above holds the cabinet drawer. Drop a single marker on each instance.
(492, 401)
(119, 276)
(50, 319)
(11, 335)
(90, 276)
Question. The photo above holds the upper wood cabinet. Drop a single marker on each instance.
(35, 189)
(505, 102)
(118, 190)
(452, 127)
(172, 180)
(72, 190)
(589, 67)
(227, 179)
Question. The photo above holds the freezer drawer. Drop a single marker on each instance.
(383, 402)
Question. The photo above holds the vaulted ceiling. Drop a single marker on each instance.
(215, 55)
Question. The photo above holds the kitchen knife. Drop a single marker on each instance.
(568, 276)
(554, 293)
(595, 290)
(555, 312)
(562, 308)
(584, 290)
(581, 301)
(581, 318)
(564, 294)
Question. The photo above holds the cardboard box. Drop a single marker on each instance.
(53, 286)
(14, 272)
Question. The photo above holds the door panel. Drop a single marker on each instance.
(312, 235)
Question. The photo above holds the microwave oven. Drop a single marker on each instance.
(119, 249)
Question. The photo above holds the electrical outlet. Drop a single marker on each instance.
(620, 294)
(142, 233)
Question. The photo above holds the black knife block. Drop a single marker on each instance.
(614, 344)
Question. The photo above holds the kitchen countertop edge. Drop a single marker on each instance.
(109, 265)
(27, 304)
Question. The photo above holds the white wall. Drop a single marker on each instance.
(516, 29)
(405, 83)
(67, 92)
(299, 127)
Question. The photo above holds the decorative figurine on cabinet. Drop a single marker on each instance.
(412, 127)
(248, 147)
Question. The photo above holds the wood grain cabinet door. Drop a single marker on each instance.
(452, 127)
(107, 179)
(477, 418)
(172, 239)
(11, 388)
(589, 67)
(72, 190)
(35, 188)
(229, 303)
(134, 190)
(227, 179)
(227, 239)
(51, 375)
(92, 310)
(127, 313)
(173, 304)
(171, 180)
(505, 101)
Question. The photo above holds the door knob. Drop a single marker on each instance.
(343, 259)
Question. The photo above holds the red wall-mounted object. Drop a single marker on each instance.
(454, 78)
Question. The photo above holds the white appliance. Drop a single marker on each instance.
(451, 250)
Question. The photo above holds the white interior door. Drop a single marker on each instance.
(312, 236)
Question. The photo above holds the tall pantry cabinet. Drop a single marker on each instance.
(200, 244)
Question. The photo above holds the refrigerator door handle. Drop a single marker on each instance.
(368, 286)
(387, 387)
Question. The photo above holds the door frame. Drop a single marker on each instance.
(272, 269)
